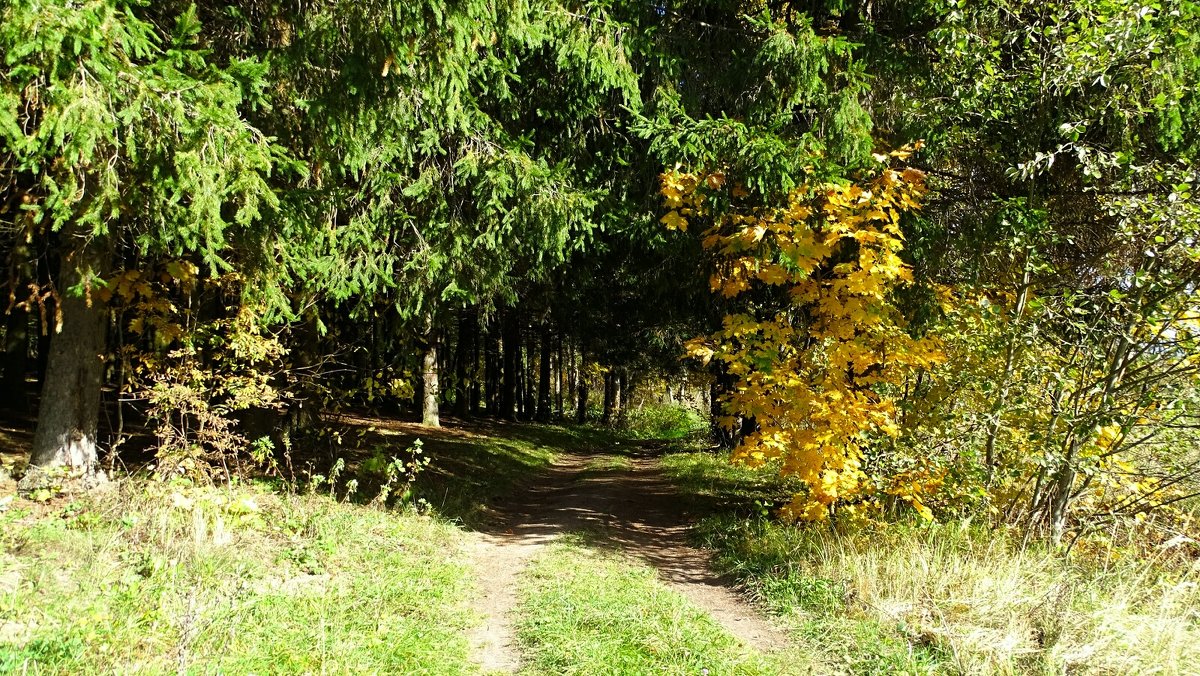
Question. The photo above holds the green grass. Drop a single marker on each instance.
(945, 598)
(606, 464)
(663, 421)
(712, 483)
(470, 466)
(586, 612)
(147, 578)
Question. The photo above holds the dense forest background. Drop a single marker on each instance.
(933, 258)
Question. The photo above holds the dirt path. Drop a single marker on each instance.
(637, 511)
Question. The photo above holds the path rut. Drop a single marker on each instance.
(636, 510)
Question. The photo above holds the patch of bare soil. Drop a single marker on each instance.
(636, 510)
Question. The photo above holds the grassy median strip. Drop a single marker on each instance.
(585, 611)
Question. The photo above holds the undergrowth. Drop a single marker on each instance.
(946, 598)
(663, 421)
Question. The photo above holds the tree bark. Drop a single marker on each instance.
(509, 390)
(544, 374)
(581, 388)
(528, 384)
(610, 397)
(463, 365)
(492, 367)
(13, 395)
(475, 390)
(724, 436)
(69, 411)
(1010, 353)
(573, 377)
(560, 384)
(47, 268)
(429, 375)
(624, 395)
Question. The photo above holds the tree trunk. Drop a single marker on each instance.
(492, 367)
(560, 384)
(464, 367)
(70, 404)
(429, 375)
(13, 395)
(544, 374)
(475, 390)
(572, 377)
(624, 395)
(722, 435)
(302, 411)
(1006, 374)
(509, 390)
(581, 388)
(1060, 491)
(47, 268)
(522, 374)
(528, 384)
(610, 397)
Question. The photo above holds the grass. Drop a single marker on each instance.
(470, 465)
(713, 484)
(946, 598)
(587, 612)
(606, 464)
(150, 578)
(663, 421)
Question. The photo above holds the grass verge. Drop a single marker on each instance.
(945, 598)
(151, 578)
(469, 464)
(584, 612)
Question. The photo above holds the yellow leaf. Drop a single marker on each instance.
(674, 221)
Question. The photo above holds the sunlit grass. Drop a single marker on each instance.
(949, 598)
(585, 612)
(157, 579)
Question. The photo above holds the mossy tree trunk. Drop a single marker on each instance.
(69, 410)
(429, 375)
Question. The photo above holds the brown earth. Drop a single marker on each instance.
(635, 510)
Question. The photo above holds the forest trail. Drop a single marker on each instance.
(633, 508)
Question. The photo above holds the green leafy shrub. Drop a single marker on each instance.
(664, 421)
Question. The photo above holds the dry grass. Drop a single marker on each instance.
(991, 607)
(957, 598)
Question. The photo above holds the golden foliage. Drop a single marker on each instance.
(813, 373)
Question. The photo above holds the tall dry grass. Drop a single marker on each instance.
(967, 600)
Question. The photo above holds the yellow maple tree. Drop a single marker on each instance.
(812, 372)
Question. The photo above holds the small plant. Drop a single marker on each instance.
(194, 376)
(401, 474)
(334, 473)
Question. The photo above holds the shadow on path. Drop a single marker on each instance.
(633, 509)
